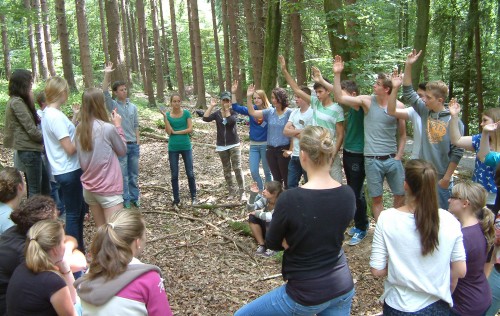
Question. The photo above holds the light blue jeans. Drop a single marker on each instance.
(277, 302)
(494, 281)
(258, 153)
(130, 171)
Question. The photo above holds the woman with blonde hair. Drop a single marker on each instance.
(12, 188)
(472, 296)
(99, 144)
(309, 224)
(43, 285)
(258, 135)
(483, 174)
(419, 248)
(59, 136)
(117, 282)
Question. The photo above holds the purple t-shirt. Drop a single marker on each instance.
(472, 295)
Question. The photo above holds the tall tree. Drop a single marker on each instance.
(252, 34)
(47, 37)
(177, 58)
(5, 47)
(272, 40)
(115, 43)
(232, 14)
(201, 101)
(31, 40)
(166, 52)
(227, 55)
(298, 45)
(479, 72)
(420, 40)
(143, 35)
(192, 48)
(40, 41)
(160, 83)
(62, 33)
(104, 34)
(123, 12)
(83, 40)
(336, 28)
(220, 81)
(133, 45)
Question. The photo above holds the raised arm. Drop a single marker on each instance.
(295, 87)
(392, 109)
(456, 137)
(234, 90)
(339, 134)
(484, 145)
(354, 102)
(110, 103)
(410, 60)
(208, 111)
(251, 111)
(318, 78)
(402, 137)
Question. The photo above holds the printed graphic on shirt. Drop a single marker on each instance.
(436, 130)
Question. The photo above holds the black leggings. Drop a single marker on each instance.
(278, 164)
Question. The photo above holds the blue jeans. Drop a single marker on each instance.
(71, 186)
(444, 195)
(258, 153)
(354, 168)
(277, 302)
(494, 281)
(438, 308)
(57, 195)
(295, 171)
(173, 159)
(130, 171)
(37, 178)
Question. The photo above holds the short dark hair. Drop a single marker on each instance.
(386, 81)
(117, 84)
(350, 86)
(422, 85)
(318, 85)
(306, 90)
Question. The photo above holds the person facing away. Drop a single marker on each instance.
(12, 190)
(129, 162)
(382, 150)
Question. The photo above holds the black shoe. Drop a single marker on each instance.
(200, 112)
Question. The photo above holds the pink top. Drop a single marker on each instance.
(101, 168)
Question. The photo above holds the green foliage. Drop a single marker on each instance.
(241, 227)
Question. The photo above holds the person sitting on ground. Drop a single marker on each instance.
(43, 285)
(228, 143)
(117, 283)
(12, 190)
(260, 219)
(13, 240)
(472, 296)
(309, 223)
(419, 247)
(99, 144)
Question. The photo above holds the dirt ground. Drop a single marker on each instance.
(208, 267)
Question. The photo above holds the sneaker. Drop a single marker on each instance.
(136, 203)
(260, 250)
(126, 204)
(353, 231)
(269, 253)
(194, 201)
(357, 238)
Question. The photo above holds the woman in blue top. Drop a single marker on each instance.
(178, 125)
(258, 135)
(277, 143)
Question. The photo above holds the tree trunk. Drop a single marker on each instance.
(201, 101)
(177, 57)
(420, 41)
(192, 49)
(272, 40)
(479, 71)
(160, 84)
(133, 43)
(40, 41)
(5, 48)
(453, 31)
(47, 37)
(467, 65)
(115, 43)
(83, 40)
(252, 40)
(62, 33)
(286, 37)
(31, 40)
(336, 29)
(298, 46)
(125, 41)
(104, 35)
(220, 80)
(232, 15)
(141, 18)
(166, 52)
(227, 55)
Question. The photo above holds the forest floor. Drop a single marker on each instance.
(208, 266)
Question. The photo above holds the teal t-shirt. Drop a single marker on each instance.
(179, 142)
(326, 116)
(354, 140)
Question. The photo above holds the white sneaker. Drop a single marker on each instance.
(260, 250)
(269, 253)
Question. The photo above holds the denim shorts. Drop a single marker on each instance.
(391, 169)
(102, 200)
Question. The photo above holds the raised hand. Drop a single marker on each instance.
(413, 57)
(234, 87)
(213, 101)
(108, 68)
(491, 127)
(338, 64)
(396, 78)
(454, 107)
(250, 90)
(282, 62)
(75, 107)
(316, 74)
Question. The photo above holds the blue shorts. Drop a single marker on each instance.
(391, 169)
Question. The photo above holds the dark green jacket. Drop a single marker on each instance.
(21, 132)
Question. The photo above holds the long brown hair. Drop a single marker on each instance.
(42, 237)
(420, 176)
(110, 249)
(20, 83)
(93, 107)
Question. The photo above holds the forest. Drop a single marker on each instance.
(197, 47)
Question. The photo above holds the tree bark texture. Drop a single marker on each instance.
(31, 41)
(227, 54)
(62, 33)
(201, 101)
(40, 41)
(133, 43)
(298, 46)
(83, 40)
(115, 43)
(160, 83)
(5, 48)
(148, 72)
(251, 24)
(48, 38)
(336, 29)
(220, 80)
(166, 52)
(104, 34)
(232, 14)
(420, 41)
(177, 57)
(479, 71)
(272, 40)
(125, 41)
(192, 49)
